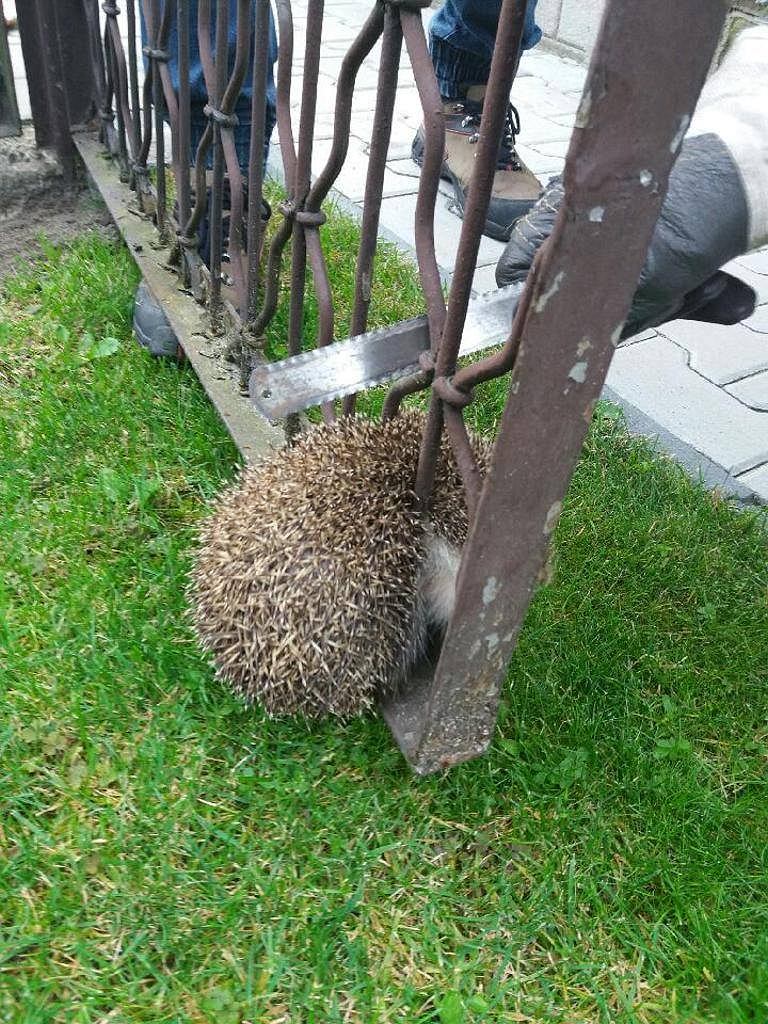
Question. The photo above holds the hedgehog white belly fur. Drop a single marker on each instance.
(318, 580)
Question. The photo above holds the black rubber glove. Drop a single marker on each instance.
(702, 225)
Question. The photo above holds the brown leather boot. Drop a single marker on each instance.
(515, 187)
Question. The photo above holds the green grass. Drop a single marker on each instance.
(168, 856)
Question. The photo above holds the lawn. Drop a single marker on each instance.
(168, 856)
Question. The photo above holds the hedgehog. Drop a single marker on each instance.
(318, 581)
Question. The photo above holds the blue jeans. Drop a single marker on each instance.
(461, 35)
(461, 38)
(199, 93)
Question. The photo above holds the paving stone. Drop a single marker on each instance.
(397, 215)
(351, 180)
(654, 377)
(753, 391)
(558, 72)
(535, 95)
(548, 16)
(642, 336)
(409, 171)
(755, 261)
(543, 166)
(484, 279)
(757, 480)
(759, 320)
(757, 281)
(565, 119)
(721, 354)
(551, 149)
(535, 130)
(579, 21)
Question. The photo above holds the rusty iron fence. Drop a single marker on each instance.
(648, 67)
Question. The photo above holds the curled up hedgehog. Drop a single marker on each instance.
(319, 581)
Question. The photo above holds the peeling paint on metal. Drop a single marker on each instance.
(552, 516)
(585, 108)
(583, 345)
(578, 371)
(542, 300)
(677, 141)
(596, 214)
(587, 414)
(490, 590)
(646, 179)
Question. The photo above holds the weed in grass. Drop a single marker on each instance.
(167, 855)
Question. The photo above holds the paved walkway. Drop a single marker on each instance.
(701, 389)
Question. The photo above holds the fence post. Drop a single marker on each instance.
(647, 70)
(10, 123)
(55, 41)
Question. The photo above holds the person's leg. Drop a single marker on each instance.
(149, 321)
(462, 36)
(199, 93)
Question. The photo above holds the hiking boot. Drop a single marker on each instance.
(151, 327)
(515, 187)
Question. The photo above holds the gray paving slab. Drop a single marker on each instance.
(351, 180)
(397, 214)
(757, 481)
(721, 354)
(759, 320)
(654, 376)
(484, 279)
(536, 129)
(757, 262)
(559, 73)
(752, 391)
(543, 166)
(534, 94)
(757, 281)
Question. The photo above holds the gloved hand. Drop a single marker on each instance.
(716, 206)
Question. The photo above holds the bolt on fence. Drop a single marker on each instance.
(645, 76)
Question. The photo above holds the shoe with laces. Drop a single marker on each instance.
(515, 187)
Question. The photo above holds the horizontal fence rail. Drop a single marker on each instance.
(184, 115)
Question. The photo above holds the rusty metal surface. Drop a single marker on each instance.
(447, 401)
(647, 70)
(10, 122)
(54, 40)
(381, 132)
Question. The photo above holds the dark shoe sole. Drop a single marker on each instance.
(500, 232)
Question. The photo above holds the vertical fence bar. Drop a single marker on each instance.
(256, 165)
(381, 131)
(133, 77)
(424, 227)
(63, 89)
(503, 66)
(311, 216)
(10, 122)
(303, 170)
(648, 68)
(155, 53)
(112, 51)
(182, 179)
(217, 184)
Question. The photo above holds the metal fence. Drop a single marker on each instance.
(647, 70)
